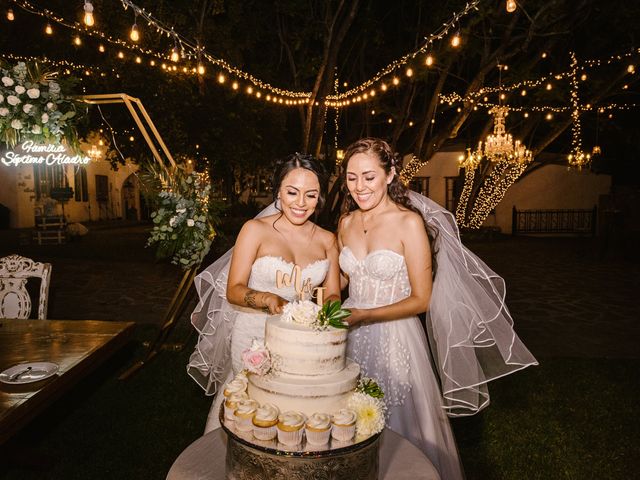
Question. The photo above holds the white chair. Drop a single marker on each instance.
(14, 298)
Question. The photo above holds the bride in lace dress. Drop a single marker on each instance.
(239, 291)
(386, 235)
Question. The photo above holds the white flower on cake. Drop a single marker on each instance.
(257, 359)
(370, 413)
(304, 312)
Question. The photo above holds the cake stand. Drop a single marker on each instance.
(251, 459)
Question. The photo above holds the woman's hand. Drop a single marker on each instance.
(357, 316)
(273, 303)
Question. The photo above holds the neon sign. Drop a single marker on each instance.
(30, 153)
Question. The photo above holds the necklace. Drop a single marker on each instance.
(364, 227)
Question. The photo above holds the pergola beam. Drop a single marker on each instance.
(131, 103)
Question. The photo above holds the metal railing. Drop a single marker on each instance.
(576, 222)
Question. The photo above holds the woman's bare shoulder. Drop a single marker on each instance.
(326, 237)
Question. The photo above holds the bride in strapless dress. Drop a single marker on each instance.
(386, 244)
(239, 291)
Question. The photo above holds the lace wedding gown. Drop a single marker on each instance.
(395, 353)
(249, 323)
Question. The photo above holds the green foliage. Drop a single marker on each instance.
(183, 222)
(369, 387)
(332, 314)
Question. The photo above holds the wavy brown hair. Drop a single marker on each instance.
(389, 162)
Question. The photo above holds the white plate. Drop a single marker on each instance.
(28, 372)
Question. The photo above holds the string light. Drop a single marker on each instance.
(511, 6)
(175, 55)
(48, 30)
(429, 60)
(134, 35)
(455, 40)
(10, 16)
(89, 21)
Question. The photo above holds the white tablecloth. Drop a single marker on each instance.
(204, 459)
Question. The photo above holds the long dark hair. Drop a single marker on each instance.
(308, 162)
(396, 190)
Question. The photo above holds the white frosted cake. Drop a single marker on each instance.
(310, 372)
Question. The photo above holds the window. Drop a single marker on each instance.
(451, 189)
(47, 177)
(80, 185)
(420, 185)
(102, 188)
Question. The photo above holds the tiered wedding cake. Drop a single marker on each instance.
(309, 369)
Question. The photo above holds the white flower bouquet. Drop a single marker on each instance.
(33, 107)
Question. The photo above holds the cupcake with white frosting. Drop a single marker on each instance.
(290, 427)
(318, 429)
(238, 384)
(265, 421)
(343, 425)
(231, 403)
(244, 413)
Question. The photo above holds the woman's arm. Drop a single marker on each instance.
(344, 278)
(332, 280)
(417, 256)
(244, 254)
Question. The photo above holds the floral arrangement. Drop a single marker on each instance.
(183, 221)
(308, 313)
(370, 409)
(257, 359)
(33, 107)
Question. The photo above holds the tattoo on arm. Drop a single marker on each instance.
(250, 298)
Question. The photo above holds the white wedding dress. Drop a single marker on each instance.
(395, 354)
(249, 323)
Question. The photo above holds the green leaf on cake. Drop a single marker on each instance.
(332, 314)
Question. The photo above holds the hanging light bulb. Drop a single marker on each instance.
(429, 60)
(456, 40)
(201, 69)
(77, 40)
(511, 6)
(48, 30)
(409, 72)
(89, 21)
(134, 35)
(175, 55)
(101, 48)
(10, 16)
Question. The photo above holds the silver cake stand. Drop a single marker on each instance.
(252, 459)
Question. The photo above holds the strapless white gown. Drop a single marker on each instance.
(249, 323)
(395, 353)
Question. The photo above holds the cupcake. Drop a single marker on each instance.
(265, 421)
(244, 412)
(290, 428)
(231, 403)
(238, 384)
(344, 425)
(318, 429)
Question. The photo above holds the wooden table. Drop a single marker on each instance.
(77, 346)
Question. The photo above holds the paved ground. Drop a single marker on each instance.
(567, 297)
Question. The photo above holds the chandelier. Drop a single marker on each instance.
(498, 146)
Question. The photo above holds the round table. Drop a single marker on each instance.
(205, 459)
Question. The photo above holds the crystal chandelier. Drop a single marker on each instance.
(498, 146)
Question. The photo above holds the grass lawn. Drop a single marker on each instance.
(566, 419)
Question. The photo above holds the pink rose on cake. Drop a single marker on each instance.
(257, 359)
